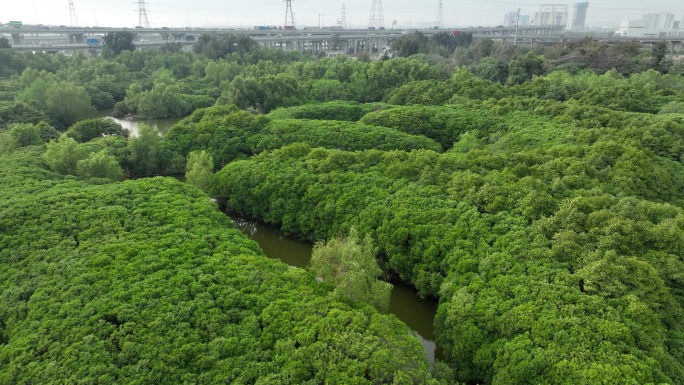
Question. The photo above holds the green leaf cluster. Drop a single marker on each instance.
(145, 281)
(551, 236)
(229, 134)
(348, 263)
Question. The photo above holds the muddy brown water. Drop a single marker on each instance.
(405, 304)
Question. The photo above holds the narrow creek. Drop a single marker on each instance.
(417, 313)
(405, 304)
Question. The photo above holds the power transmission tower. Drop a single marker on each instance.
(289, 17)
(72, 14)
(343, 23)
(439, 20)
(143, 21)
(377, 19)
(517, 24)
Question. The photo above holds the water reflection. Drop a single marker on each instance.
(405, 304)
(132, 123)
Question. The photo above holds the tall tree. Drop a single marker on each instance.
(63, 155)
(119, 41)
(147, 153)
(100, 165)
(200, 169)
(408, 45)
(68, 103)
(26, 134)
(349, 264)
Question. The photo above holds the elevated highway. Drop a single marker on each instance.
(73, 39)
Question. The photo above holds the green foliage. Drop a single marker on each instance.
(89, 129)
(348, 263)
(442, 124)
(62, 156)
(99, 165)
(550, 230)
(147, 154)
(516, 238)
(335, 134)
(222, 131)
(145, 281)
(7, 143)
(324, 90)
(228, 134)
(199, 170)
(25, 134)
(265, 93)
(333, 110)
(219, 46)
(119, 41)
(11, 63)
(162, 101)
(47, 132)
(67, 103)
(20, 112)
(407, 45)
(171, 47)
(672, 108)
(453, 40)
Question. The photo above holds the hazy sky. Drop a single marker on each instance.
(213, 13)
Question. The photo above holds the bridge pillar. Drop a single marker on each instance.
(673, 47)
(76, 38)
(16, 38)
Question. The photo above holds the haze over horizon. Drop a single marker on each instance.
(408, 14)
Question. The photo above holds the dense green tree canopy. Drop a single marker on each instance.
(536, 192)
(200, 169)
(89, 129)
(348, 263)
(146, 282)
(119, 41)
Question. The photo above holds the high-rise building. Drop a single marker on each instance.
(524, 20)
(510, 19)
(579, 16)
(552, 15)
(665, 20)
(658, 21)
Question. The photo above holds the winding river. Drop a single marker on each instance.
(417, 313)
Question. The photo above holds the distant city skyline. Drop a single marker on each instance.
(408, 14)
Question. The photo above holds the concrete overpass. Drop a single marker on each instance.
(316, 40)
(22, 35)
